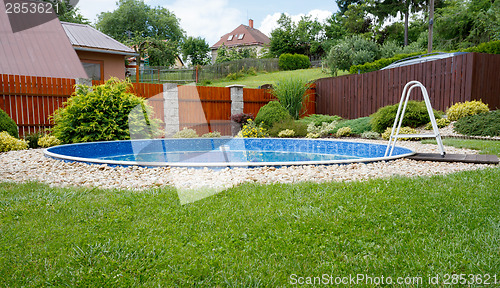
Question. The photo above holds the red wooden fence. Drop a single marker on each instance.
(461, 78)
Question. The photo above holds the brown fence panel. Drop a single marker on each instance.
(30, 101)
(253, 99)
(456, 79)
(205, 109)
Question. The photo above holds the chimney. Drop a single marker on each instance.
(250, 23)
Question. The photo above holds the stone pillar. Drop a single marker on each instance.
(171, 109)
(236, 105)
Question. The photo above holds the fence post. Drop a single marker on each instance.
(237, 104)
(171, 108)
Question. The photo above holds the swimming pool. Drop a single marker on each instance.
(224, 152)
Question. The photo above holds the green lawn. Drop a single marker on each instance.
(271, 78)
(251, 235)
(486, 147)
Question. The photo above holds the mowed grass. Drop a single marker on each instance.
(271, 78)
(251, 235)
(484, 146)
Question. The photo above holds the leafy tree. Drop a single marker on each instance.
(352, 50)
(305, 37)
(344, 4)
(356, 20)
(196, 50)
(135, 18)
(159, 52)
(67, 12)
(386, 8)
(225, 54)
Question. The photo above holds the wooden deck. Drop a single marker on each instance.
(464, 158)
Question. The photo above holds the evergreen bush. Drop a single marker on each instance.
(318, 119)
(299, 128)
(271, 113)
(8, 125)
(288, 61)
(415, 115)
(484, 124)
(10, 143)
(468, 108)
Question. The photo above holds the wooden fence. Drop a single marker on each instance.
(461, 78)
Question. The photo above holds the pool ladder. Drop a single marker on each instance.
(399, 120)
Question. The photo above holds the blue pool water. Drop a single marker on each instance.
(224, 152)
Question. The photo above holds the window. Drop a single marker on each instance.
(241, 36)
(230, 38)
(94, 69)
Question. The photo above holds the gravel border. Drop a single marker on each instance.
(32, 165)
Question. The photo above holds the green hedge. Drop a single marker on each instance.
(492, 47)
(7, 124)
(293, 62)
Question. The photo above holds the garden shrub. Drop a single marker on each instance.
(242, 118)
(186, 133)
(358, 126)
(468, 108)
(287, 133)
(288, 61)
(492, 47)
(48, 141)
(101, 113)
(319, 119)
(10, 143)
(415, 115)
(325, 129)
(7, 124)
(344, 132)
(441, 123)
(271, 113)
(32, 139)
(252, 130)
(484, 124)
(379, 64)
(290, 92)
(403, 130)
(370, 135)
(353, 50)
(299, 128)
(214, 134)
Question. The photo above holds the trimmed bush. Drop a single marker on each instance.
(358, 126)
(415, 116)
(215, 134)
(343, 132)
(101, 113)
(403, 130)
(186, 133)
(287, 133)
(48, 141)
(299, 128)
(484, 124)
(288, 61)
(291, 94)
(370, 135)
(8, 125)
(441, 123)
(10, 143)
(381, 63)
(271, 113)
(492, 47)
(319, 119)
(468, 108)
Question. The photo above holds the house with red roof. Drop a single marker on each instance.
(242, 37)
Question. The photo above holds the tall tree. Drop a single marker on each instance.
(196, 50)
(135, 18)
(66, 11)
(386, 8)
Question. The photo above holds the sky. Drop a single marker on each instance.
(210, 19)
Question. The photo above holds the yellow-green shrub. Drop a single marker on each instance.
(48, 141)
(9, 143)
(403, 130)
(287, 133)
(344, 132)
(461, 110)
(441, 123)
(215, 134)
(186, 133)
